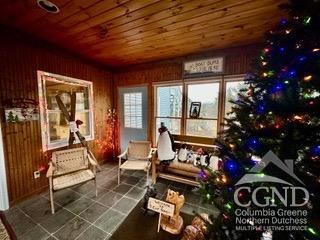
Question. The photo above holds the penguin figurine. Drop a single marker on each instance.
(182, 154)
(165, 145)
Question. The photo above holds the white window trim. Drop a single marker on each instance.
(4, 199)
(45, 136)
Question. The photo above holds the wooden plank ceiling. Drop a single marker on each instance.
(124, 32)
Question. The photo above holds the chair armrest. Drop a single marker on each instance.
(50, 170)
(92, 161)
(123, 154)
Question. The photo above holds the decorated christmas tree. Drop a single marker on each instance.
(279, 111)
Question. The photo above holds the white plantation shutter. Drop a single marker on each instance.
(133, 110)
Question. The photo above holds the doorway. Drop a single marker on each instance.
(133, 108)
(4, 202)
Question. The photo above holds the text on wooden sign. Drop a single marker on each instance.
(161, 206)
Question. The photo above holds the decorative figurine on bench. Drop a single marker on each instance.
(183, 153)
(151, 192)
(165, 146)
(173, 224)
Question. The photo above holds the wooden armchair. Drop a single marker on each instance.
(68, 168)
(138, 156)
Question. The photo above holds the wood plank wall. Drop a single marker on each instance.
(20, 60)
(237, 61)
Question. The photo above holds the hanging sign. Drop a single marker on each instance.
(203, 67)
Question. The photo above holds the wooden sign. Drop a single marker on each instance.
(161, 207)
(203, 67)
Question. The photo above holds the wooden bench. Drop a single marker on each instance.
(182, 172)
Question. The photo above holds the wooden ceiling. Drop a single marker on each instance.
(124, 32)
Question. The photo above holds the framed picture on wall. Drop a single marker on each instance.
(195, 108)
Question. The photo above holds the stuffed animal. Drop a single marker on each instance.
(215, 163)
(190, 157)
(196, 160)
(183, 152)
(151, 192)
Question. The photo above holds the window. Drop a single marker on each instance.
(54, 126)
(169, 107)
(173, 103)
(133, 110)
(208, 95)
(233, 87)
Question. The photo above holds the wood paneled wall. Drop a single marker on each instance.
(237, 61)
(20, 60)
(21, 57)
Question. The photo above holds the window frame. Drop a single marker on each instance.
(215, 79)
(155, 114)
(221, 79)
(47, 144)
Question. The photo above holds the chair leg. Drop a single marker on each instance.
(148, 177)
(95, 183)
(119, 172)
(51, 196)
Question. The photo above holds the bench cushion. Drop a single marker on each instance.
(182, 166)
(72, 179)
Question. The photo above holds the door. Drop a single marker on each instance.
(4, 202)
(133, 106)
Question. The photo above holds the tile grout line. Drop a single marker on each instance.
(26, 215)
(76, 215)
(85, 196)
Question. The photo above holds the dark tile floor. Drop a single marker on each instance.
(81, 215)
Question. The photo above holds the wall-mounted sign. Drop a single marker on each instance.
(20, 110)
(203, 67)
(15, 115)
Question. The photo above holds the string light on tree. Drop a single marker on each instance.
(307, 20)
(279, 112)
(307, 78)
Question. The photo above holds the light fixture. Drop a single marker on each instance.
(48, 6)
